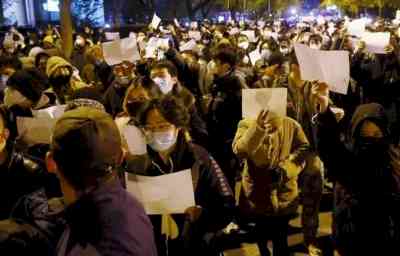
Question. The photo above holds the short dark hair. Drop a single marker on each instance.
(315, 37)
(272, 44)
(226, 55)
(29, 82)
(39, 56)
(8, 61)
(171, 108)
(192, 53)
(172, 70)
(276, 58)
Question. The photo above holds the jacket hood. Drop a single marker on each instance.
(373, 112)
(56, 62)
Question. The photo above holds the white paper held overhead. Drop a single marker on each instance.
(331, 67)
(110, 36)
(255, 100)
(155, 21)
(251, 35)
(189, 46)
(196, 35)
(376, 42)
(117, 51)
(356, 27)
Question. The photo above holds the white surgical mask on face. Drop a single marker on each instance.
(79, 42)
(244, 45)
(13, 97)
(267, 34)
(164, 84)
(123, 80)
(4, 79)
(285, 51)
(162, 141)
(265, 53)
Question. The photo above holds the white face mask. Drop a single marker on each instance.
(4, 79)
(265, 53)
(123, 80)
(164, 84)
(244, 45)
(162, 141)
(267, 34)
(315, 46)
(13, 97)
(285, 51)
(79, 42)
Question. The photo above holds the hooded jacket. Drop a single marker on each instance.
(367, 197)
(282, 149)
(56, 62)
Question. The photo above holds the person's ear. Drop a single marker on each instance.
(175, 79)
(6, 134)
(51, 164)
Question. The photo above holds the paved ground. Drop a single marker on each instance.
(295, 239)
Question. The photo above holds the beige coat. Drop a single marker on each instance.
(286, 147)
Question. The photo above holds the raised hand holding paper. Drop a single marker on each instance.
(255, 100)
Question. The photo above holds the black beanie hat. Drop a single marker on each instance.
(29, 82)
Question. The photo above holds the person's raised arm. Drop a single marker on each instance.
(250, 135)
(330, 148)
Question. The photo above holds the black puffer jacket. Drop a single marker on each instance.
(34, 228)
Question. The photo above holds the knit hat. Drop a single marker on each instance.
(29, 82)
(48, 39)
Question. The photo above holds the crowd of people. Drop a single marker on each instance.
(182, 109)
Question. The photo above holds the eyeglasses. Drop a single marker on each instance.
(158, 128)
